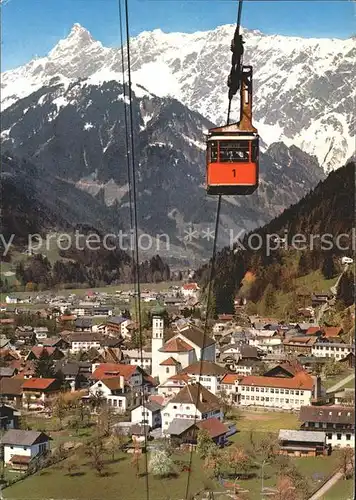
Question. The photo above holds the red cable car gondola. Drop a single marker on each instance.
(233, 150)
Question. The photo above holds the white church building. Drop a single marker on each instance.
(187, 346)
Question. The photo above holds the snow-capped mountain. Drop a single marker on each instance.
(303, 88)
(75, 134)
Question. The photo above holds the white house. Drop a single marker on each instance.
(113, 391)
(118, 324)
(20, 447)
(11, 300)
(133, 357)
(150, 414)
(173, 385)
(276, 392)
(41, 332)
(83, 341)
(338, 422)
(207, 373)
(192, 402)
(336, 350)
(267, 344)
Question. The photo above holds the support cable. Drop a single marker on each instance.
(234, 82)
(135, 221)
(127, 139)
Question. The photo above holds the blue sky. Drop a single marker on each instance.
(33, 27)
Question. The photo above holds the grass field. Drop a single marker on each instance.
(350, 385)
(342, 490)
(330, 381)
(120, 482)
(266, 421)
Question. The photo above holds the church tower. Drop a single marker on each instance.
(157, 337)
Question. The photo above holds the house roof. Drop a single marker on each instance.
(170, 362)
(139, 430)
(332, 331)
(113, 383)
(327, 414)
(85, 337)
(11, 386)
(198, 395)
(84, 322)
(301, 381)
(68, 368)
(179, 425)
(213, 426)
(155, 398)
(116, 320)
(136, 353)
(231, 378)
(183, 377)
(176, 345)
(109, 370)
(190, 286)
(248, 351)
(38, 383)
(300, 436)
(52, 341)
(196, 336)
(290, 366)
(150, 405)
(38, 351)
(20, 459)
(24, 438)
(312, 330)
(300, 340)
(204, 368)
(6, 371)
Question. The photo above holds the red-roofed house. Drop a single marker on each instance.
(132, 374)
(114, 391)
(190, 290)
(216, 429)
(277, 392)
(37, 391)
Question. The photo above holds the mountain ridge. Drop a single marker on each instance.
(76, 134)
(303, 87)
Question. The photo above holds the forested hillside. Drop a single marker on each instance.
(305, 242)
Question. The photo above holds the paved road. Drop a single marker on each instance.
(334, 479)
(341, 384)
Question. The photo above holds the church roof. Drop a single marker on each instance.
(176, 345)
(170, 362)
(196, 336)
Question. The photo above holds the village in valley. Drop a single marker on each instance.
(93, 401)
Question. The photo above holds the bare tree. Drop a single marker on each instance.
(286, 489)
(105, 420)
(95, 451)
(135, 461)
(72, 466)
(347, 461)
